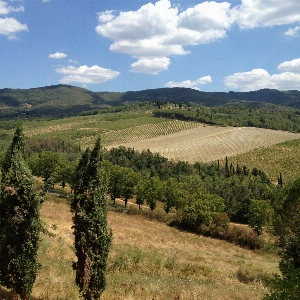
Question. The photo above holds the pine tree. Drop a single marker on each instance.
(92, 235)
(19, 220)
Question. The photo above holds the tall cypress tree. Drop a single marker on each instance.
(19, 220)
(92, 235)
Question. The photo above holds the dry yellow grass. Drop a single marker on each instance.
(149, 260)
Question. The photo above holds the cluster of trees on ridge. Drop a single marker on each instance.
(236, 114)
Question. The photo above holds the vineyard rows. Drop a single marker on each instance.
(55, 128)
(138, 133)
(212, 143)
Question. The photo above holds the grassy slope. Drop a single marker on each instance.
(149, 260)
(281, 158)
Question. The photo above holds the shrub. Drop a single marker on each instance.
(243, 237)
(249, 274)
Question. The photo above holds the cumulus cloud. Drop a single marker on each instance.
(86, 75)
(57, 55)
(293, 31)
(10, 26)
(190, 84)
(290, 66)
(152, 66)
(267, 13)
(6, 9)
(159, 30)
(105, 16)
(260, 78)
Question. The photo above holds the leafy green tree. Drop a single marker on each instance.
(260, 214)
(46, 165)
(92, 235)
(150, 190)
(201, 209)
(286, 226)
(20, 224)
(128, 182)
(172, 194)
(114, 181)
(285, 287)
(139, 192)
(191, 183)
(65, 172)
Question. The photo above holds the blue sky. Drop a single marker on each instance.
(118, 45)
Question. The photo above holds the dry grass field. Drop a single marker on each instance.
(210, 143)
(149, 260)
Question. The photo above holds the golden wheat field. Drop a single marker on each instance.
(150, 260)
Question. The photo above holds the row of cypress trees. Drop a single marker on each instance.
(20, 223)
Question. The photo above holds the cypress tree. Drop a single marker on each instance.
(92, 235)
(19, 220)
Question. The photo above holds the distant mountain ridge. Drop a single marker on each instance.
(63, 100)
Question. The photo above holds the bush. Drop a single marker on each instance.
(249, 274)
(243, 237)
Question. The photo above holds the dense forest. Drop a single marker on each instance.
(65, 100)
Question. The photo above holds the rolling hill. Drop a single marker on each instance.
(66, 100)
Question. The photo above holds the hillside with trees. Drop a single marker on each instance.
(66, 100)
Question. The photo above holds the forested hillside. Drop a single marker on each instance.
(66, 100)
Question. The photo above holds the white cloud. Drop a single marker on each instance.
(86, 75)
(159, 30)
(6, 9)
(205, 25)
(293, 31)
(260, 78)
(10, 26)
(267, 13)
(290, 66)
(190, 84)
(57, 55)
(105, 16)
(152, 66)
(73, 61)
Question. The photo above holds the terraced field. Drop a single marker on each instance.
(210, 143)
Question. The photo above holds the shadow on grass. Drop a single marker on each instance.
(7, 295)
